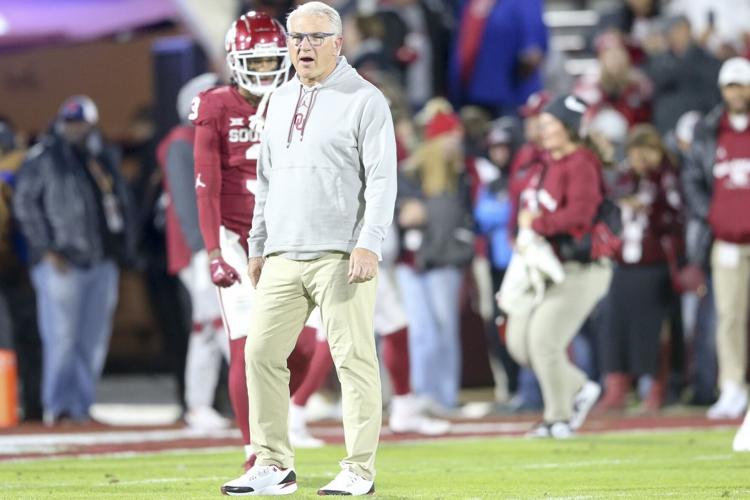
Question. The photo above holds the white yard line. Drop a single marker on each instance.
(458, 429)
(46, 443)
(127, 454)
(160, 480)
(461, 431)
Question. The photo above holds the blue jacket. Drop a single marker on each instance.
(492, 214)
(513, 27)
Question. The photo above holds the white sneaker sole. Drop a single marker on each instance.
(724, 413)
(274, 490)
(331, 492)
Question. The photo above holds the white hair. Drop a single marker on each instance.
(317, 9)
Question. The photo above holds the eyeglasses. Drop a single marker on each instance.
(316, 39)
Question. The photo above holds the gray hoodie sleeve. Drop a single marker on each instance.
(258, 234)
(377, 153)
(182, 192)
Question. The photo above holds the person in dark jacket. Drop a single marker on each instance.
(493, 208)
(73, 208)
(716, 182)
(683, 75)
(415, 39)
(636, 20)
(492, 213)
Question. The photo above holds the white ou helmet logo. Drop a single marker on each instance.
(573, 103)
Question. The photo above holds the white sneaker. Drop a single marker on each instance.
(742, 438)
(405, 416)
(262, 480)
(303, 439)
(540, 430)
(418, 424)
(348, 483)
(732, 402)
(583, 401)
(320, 408)
(205, 418)
(299, 436)
(477, 409)
(560, 430)
(557, 430)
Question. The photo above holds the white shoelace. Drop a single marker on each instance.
(259, 471)
(349, 478)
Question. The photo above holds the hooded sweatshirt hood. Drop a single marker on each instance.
(307, 94)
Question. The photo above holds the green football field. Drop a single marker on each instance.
(697, 464)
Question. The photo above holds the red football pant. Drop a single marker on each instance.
(298, 364)
(320, 367)
(396, 360)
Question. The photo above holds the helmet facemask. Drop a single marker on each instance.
(259, 82)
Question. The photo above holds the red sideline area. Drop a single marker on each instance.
(30, 441)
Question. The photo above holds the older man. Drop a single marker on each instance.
(325, 196)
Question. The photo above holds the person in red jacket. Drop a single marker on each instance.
(616, 83)
(187, 258)
(641, 296)
(228, 121)
(566, 196)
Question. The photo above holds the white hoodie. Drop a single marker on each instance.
(327, 168)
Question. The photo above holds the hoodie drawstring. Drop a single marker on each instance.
(258, 120)
(296, 113)
(307, 116)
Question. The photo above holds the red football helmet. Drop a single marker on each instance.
(256, 35)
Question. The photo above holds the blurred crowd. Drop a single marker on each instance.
(667, 112)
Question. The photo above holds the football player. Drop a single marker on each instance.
(187, 258)
(228, 121)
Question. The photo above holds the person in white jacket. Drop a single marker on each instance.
(325, 196)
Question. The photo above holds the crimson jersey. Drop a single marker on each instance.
(226, 153)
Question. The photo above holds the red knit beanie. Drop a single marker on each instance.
(442, 123)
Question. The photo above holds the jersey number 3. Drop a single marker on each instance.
(194, 105)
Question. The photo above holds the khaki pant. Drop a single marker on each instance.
(730, 268)
(286, 294)
(540, 338)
